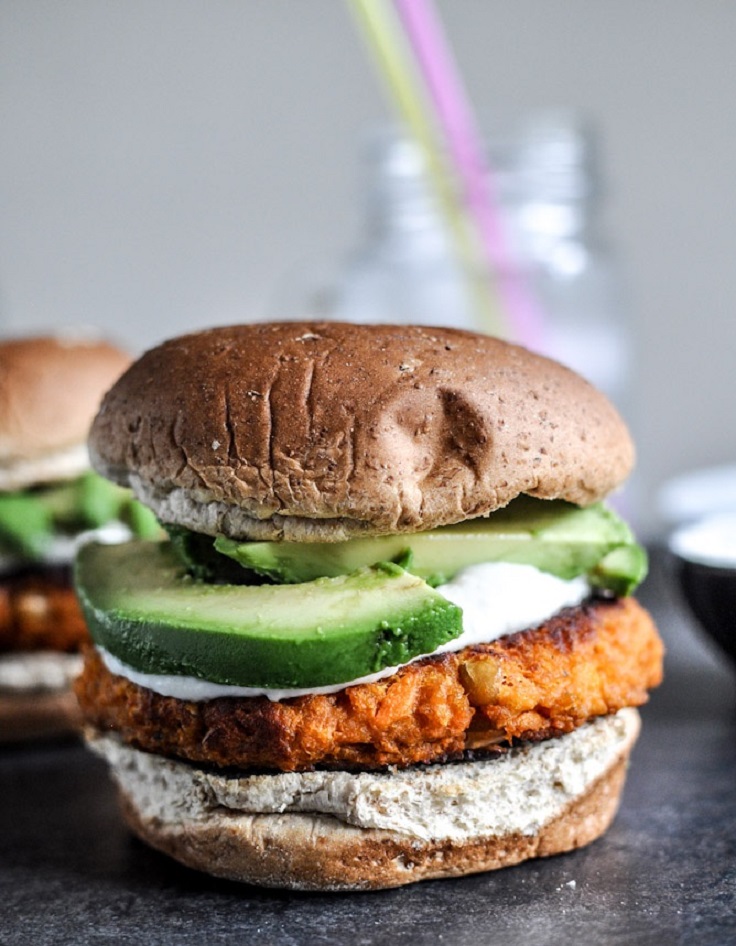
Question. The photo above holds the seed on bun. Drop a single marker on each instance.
(391, 635)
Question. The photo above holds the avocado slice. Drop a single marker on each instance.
(620, 570)
(554, 536)
(30, 518)
(202, 561)
(25, 524)
(98, 501)
(144, 609)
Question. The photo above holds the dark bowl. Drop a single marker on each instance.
(705, 562)
(710, 591)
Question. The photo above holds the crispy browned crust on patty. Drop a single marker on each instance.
(40, 611)
(585, 662)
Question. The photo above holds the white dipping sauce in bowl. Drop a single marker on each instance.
(710, 541)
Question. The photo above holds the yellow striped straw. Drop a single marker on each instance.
(382, 29)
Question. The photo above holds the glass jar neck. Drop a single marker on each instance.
(544, 175)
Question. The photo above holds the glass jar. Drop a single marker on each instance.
(404, 267)
(551, 193)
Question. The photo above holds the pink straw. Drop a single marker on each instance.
(456, 118)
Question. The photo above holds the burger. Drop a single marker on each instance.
(50, 389)
(391, 634)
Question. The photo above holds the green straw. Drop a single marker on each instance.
(382, 29)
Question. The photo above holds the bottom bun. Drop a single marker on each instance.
(36, 699)
(367, 831)
(38, 716)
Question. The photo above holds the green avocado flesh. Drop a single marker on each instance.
(143, 608)
(555, 537)
(31, 518)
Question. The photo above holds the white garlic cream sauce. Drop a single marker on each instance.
(496, 598)
(708, 541)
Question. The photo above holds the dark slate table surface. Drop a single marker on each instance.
(664, 874)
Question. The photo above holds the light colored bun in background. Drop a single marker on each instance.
(50, 389)
(324, 430)
(537, 800)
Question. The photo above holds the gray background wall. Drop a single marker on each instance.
(163, 164)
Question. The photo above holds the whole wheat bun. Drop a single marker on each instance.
(192, 816)
(50, 389)
(36, 696)
(325, 430)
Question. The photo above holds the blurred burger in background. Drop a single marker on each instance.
(50, 501)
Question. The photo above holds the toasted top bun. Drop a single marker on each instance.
(50, 389)
(324, 430)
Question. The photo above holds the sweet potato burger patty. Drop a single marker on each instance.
(39, 611)
(585, 662)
